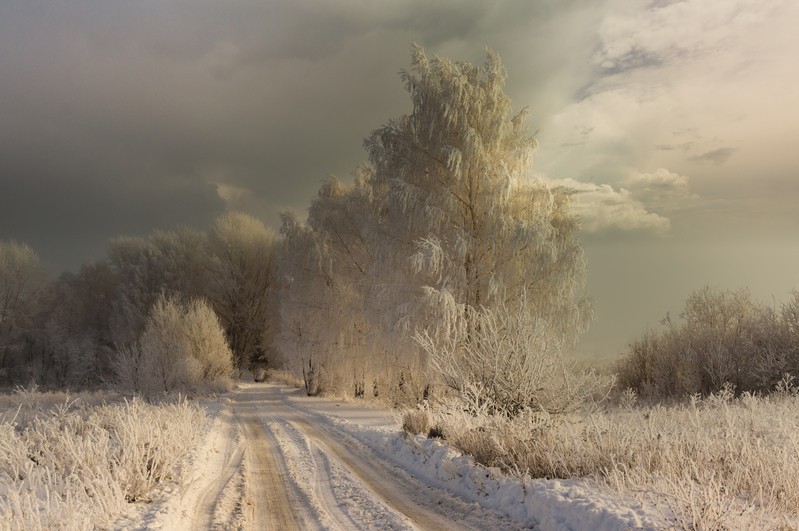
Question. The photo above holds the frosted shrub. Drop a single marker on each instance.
(168, 363)
(150, 442)
(76, 468)
(182, 347)
(207, 343)
(508, 363)
(628, 398)
(514, 444)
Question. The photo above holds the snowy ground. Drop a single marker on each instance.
(277, 459)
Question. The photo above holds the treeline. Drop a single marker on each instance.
(442, 245)
(723, 338)
(70, 331)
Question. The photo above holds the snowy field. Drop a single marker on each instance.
(267, 456)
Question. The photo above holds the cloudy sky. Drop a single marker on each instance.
(678, 121)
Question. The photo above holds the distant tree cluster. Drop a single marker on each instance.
(723, 337)
(212, 292)
(21, 281)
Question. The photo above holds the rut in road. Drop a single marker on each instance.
(210, 496)
(375, 475)
(246, 485)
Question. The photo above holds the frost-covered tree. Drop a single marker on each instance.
(241, 286)
(21, 281)
(310, 317)
(326, 268)
(461, 200)
(297, 281)
(73, 337)
(441, 232)
(463, 226)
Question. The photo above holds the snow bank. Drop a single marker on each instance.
(540, 503)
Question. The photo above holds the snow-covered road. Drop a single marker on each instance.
(305, 471)
(276, 459)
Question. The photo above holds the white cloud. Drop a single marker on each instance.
(232, 195)
(641, 205)
(660, 189)
(705, 89)
(679, 32)
(602, 208)
(660, 179)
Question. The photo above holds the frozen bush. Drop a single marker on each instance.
(183, 346)
(76, 467)
(508, 363)
(207, 343)
(417, 421)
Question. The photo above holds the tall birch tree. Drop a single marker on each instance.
(468, 229)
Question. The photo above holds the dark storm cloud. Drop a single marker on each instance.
(114, 110)
(70, 220)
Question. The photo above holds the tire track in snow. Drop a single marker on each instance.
(380, 479)
(324, 489)
(268, 477)
(230, 463)
(339, 499)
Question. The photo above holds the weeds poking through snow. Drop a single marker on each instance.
(417, 421)
(76, 466)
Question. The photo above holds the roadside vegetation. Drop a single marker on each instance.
(75, 462)
(718, 462)
(677, 432)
